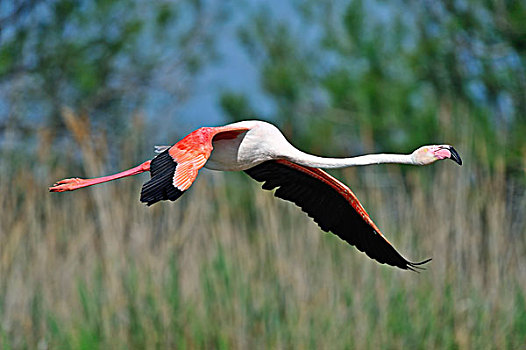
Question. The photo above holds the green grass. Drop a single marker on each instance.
(95, 269)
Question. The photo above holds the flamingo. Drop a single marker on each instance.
(260, 150)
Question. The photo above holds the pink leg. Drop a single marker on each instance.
(76, 183)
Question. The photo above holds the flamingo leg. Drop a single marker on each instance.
(76, 183)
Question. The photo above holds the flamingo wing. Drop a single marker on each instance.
(332, 205)
(161, 186)
(175, 168)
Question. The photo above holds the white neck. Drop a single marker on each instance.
(331, 163)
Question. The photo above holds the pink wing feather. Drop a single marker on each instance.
(175, 169)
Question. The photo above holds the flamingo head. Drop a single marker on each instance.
(430, 154)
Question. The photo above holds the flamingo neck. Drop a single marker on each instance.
(331, 163)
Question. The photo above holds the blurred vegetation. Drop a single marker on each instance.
(398, 73)
(106, 59)
(228, 265)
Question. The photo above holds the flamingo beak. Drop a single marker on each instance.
(455, 156)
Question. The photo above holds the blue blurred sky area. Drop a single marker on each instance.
(234, 71)
(231, 70)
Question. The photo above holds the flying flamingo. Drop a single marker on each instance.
(261, 150)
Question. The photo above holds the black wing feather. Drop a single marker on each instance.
(160, 187)
(329, 209)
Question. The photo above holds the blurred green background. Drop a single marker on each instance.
(88, 87)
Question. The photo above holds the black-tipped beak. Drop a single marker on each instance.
(454, 156)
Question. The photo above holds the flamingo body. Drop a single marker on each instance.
(261, 150)
(261, 142)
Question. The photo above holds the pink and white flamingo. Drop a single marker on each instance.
(261, 150)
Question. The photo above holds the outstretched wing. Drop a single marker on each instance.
(174, 170)
(332, 205)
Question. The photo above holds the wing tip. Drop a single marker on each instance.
(416, 266)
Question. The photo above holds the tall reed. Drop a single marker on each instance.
(229, 266)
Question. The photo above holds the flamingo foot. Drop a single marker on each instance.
(68, 185)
